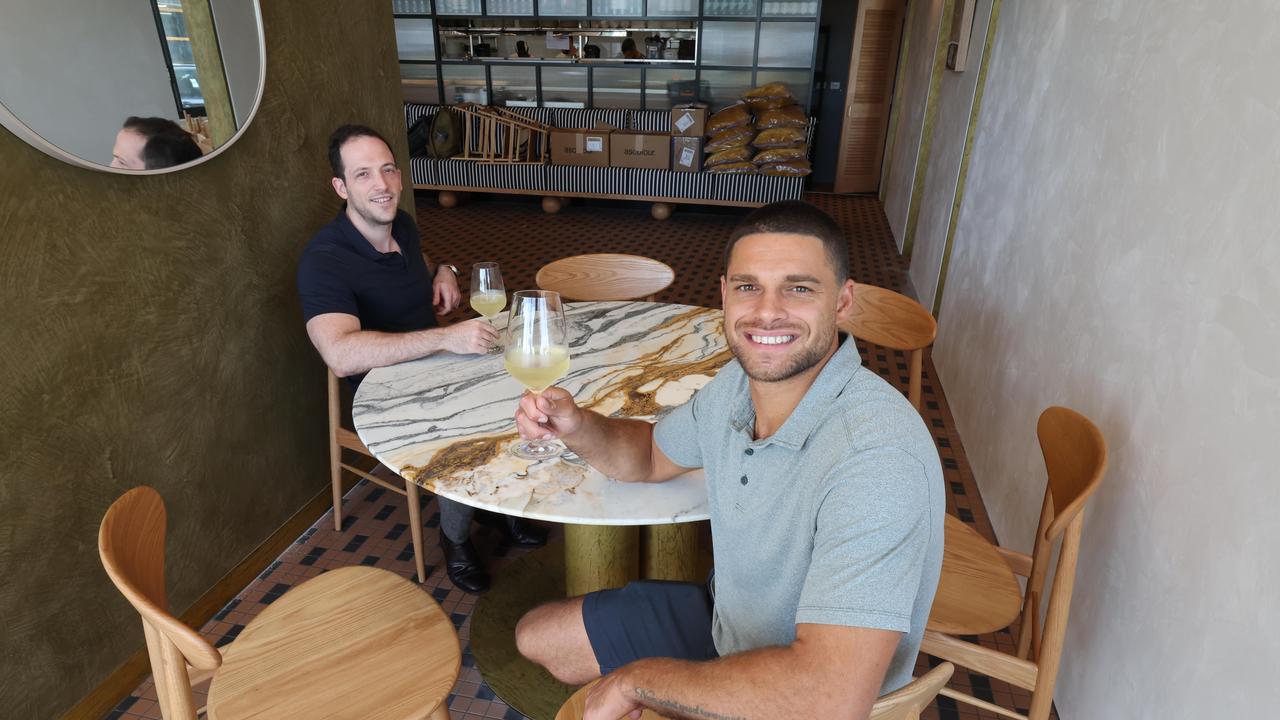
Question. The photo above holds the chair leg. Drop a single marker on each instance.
(335, 479)
(412, 495)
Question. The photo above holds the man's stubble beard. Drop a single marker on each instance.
(806, 359)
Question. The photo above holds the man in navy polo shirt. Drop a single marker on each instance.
(369, 300)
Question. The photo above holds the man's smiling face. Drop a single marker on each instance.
(370, 179)
(781, 304)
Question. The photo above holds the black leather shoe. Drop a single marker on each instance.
(516, 530)
(462, 564)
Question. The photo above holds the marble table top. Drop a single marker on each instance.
(446, 421)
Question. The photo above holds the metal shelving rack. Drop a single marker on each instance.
(758, 12)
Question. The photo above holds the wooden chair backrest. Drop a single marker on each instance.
(890, 319)
(905, 703)
(606, 276)
(1075, 459)
(895, 321)
(131, 546)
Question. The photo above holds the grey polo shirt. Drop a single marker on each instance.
(836, 519)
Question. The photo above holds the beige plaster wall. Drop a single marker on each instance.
(152, 335)
(920, 34)
(1117, 253)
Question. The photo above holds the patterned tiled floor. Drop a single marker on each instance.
(517, 234)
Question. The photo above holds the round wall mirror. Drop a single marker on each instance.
(131, 86)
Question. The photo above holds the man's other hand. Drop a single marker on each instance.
(550, 414)
(609, 700)
(472, 337)
(445, 295)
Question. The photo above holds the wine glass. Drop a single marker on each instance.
(488, 296)
(537, 353)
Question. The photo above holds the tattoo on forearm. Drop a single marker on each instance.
(695, 711)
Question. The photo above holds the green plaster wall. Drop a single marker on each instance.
(152, 335)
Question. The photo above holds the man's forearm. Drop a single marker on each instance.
(363, 350)
(618, 447)
(766, 683)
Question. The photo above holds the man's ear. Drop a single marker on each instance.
(339, 187)
(844, 301)
(724, 289)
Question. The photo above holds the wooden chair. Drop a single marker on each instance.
(341, 438)
(606, 276)
(316, 652)
(905, 703)
(895, 321)
(1075, 456)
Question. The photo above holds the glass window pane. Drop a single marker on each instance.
(665, 87)
(458, 7)
(725, 87)
(415, 39)
(564, 86)
(615, 88)
(729, 8)
(633, 8)
(410, 7)
(562, 7)
(509, 7)
(515, 84)
(728, 43)
(455, 44)
(464, 83)
(795, 8)
(673, 7)
(419, 84)
(797, 81)
(786, 44)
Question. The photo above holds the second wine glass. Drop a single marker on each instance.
(537, 353)
(488, 295)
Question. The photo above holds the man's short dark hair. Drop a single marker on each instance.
(800, 218)
(167, 143)
(341, 137)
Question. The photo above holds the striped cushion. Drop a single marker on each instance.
(601, 180)
(758, 189)
(429, 171)
(666, 183)
(650, 120)
(509, 177)
(587, 117)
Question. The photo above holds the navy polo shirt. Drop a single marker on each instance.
(340, 272)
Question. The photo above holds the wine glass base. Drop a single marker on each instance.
(537, 450)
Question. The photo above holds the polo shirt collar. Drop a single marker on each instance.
(833, 378)
(352, 238)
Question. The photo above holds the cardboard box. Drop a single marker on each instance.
(635, 149)
(689, 120)
(581, 147)
(686, 154)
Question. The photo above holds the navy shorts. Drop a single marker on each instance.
(649, 618)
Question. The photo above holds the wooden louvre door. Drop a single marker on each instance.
(869, 92)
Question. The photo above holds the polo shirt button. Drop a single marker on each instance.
(744, 479)
(749, 451)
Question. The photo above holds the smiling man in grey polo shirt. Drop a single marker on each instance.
(826, 506)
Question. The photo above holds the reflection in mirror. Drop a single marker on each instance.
(134, 85)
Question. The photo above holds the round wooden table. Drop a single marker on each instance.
(977, 592)
(446, 423)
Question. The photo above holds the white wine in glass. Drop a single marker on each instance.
(488, 296)
(537, 353)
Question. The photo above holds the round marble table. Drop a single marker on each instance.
(446, 423)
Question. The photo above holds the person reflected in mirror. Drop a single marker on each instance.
(522, 49)
(149, 143)
(826, 499)
(369, 299)
(591, 52)
(629, 50)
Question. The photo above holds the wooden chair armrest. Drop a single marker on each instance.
(1020, 563)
